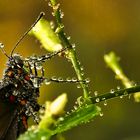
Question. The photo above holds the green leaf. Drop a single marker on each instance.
(45, 34)
(81, 115)
(38, 134)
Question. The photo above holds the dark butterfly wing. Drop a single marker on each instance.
(10, 127)
(8, 122)
(8, 112)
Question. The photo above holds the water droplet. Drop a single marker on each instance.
(74, 79)
(35, 82)
(101, 114)
(105, 103)
(89, 93)
(68, 37)
(69, 79)
(61, 14)
(82, 73)
(49, 4)
(15, 93)
(118, 87)
(95, 93)
(78, 86)
(76, 102)
(82, 68)
(42, 111)
(121, 96)
(87, 80)
(61, 119)
(103, 99)
(47, 81)
(16, 85)
(38, 66)
(56, 7)
(53, 14)
(135, 84)
(61, 26)
(1, 45)
(75, 107)
(73, 46)
(54, 78)
(79, 63)
(112, 91)
(68, 113)
(60, 79)
(52, 25)
(97, 100)
(47, 56)
(72, 110)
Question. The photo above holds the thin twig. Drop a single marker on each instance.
(117, 93)
(71, 53)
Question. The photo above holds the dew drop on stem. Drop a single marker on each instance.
(68, 37)
(112, 91)
(105, 103)
(78, 86)
(47, 81)
(60, 79)
(118, 87)
(97, 100)
(87, 80)
(121, 96)
(95, 93)
(101, 114)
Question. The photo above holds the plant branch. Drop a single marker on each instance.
(71, 53)
(112, 61)
(117, 93)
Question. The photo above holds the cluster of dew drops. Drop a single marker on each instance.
(68, 79)
(112, 91)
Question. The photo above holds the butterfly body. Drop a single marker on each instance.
(18, 98)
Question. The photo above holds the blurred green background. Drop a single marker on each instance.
(97, 27)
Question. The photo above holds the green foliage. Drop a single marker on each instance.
(112, 61)
(54, 120)
(82, 114)
(44, 33)
(35, 134)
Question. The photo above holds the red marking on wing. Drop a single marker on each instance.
(12, 98)
(27, 77)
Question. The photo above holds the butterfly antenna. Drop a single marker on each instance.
(22, 37)
(2, 49)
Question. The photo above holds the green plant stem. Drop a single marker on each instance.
(117, 93)
(71, 52)
(112, 61)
